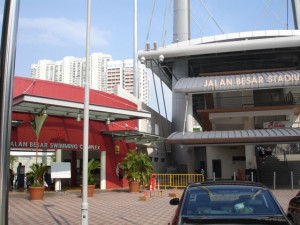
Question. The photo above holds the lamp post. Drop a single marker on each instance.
(135, 57)
(7, 70)
(84, 205)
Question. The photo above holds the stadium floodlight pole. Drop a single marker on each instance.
(84, 205)
(135, 56)
(7, 70)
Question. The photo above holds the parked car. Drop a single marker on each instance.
(293, 211)
(228, 203)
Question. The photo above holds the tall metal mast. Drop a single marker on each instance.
(296, 13)
(182, 105)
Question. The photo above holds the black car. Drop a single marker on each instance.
(293, 211)
(228, 203)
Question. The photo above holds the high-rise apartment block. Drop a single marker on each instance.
(105, 73)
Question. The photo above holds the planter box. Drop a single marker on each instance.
(134, 186)
(36, 193)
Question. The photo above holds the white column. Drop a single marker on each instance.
(58, 180)
(250, 149)
(180, 69)
(103, 171)
(250, 157)
(189, 127)
(181, 32)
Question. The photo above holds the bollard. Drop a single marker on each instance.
(251, 176)
(174, 193)
(145, 197)
(292, 180)
(234, 176)
(214, 176)
(274, 180)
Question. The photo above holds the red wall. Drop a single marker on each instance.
(68, 130)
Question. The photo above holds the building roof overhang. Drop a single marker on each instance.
(56, 107)
(135, 136)
(225, 52)
(233, 42)
(237, 137)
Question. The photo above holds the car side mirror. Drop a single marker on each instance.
(174, 201)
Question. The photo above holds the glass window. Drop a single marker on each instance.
(229, 200)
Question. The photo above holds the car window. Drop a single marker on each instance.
(229, 200)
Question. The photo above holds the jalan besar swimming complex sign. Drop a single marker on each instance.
(236, 82)
(42, 145)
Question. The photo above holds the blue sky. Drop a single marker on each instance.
(52, 29)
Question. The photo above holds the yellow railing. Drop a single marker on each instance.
(177, 180)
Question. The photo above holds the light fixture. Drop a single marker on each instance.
(142, 59)
(108, 121)
(161, 58)
(78, 118)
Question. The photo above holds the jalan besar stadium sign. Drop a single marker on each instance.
(43, 145)
(237, 82)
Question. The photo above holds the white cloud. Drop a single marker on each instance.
(59, 32)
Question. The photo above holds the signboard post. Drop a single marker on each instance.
(60, 170)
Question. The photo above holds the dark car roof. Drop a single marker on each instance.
(229, 182)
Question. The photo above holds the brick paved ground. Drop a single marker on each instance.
(106, 207)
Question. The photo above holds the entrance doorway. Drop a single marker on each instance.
(216, 163)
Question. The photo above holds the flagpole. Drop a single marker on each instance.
(84, 205)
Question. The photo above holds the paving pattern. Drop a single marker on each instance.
(114, 207)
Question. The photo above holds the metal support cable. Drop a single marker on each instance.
(161, 68)
(150, 22)
(166, 18)
(212, 17)
(155, 87)
(276, 15)
(198, 25)
(163, 95)
(162, 127)
(263, 12)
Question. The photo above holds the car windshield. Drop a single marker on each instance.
(229, 200)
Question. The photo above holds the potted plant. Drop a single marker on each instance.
(36, 189)
(137, 168)
(92, 181)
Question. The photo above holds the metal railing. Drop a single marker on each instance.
(177, 180)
